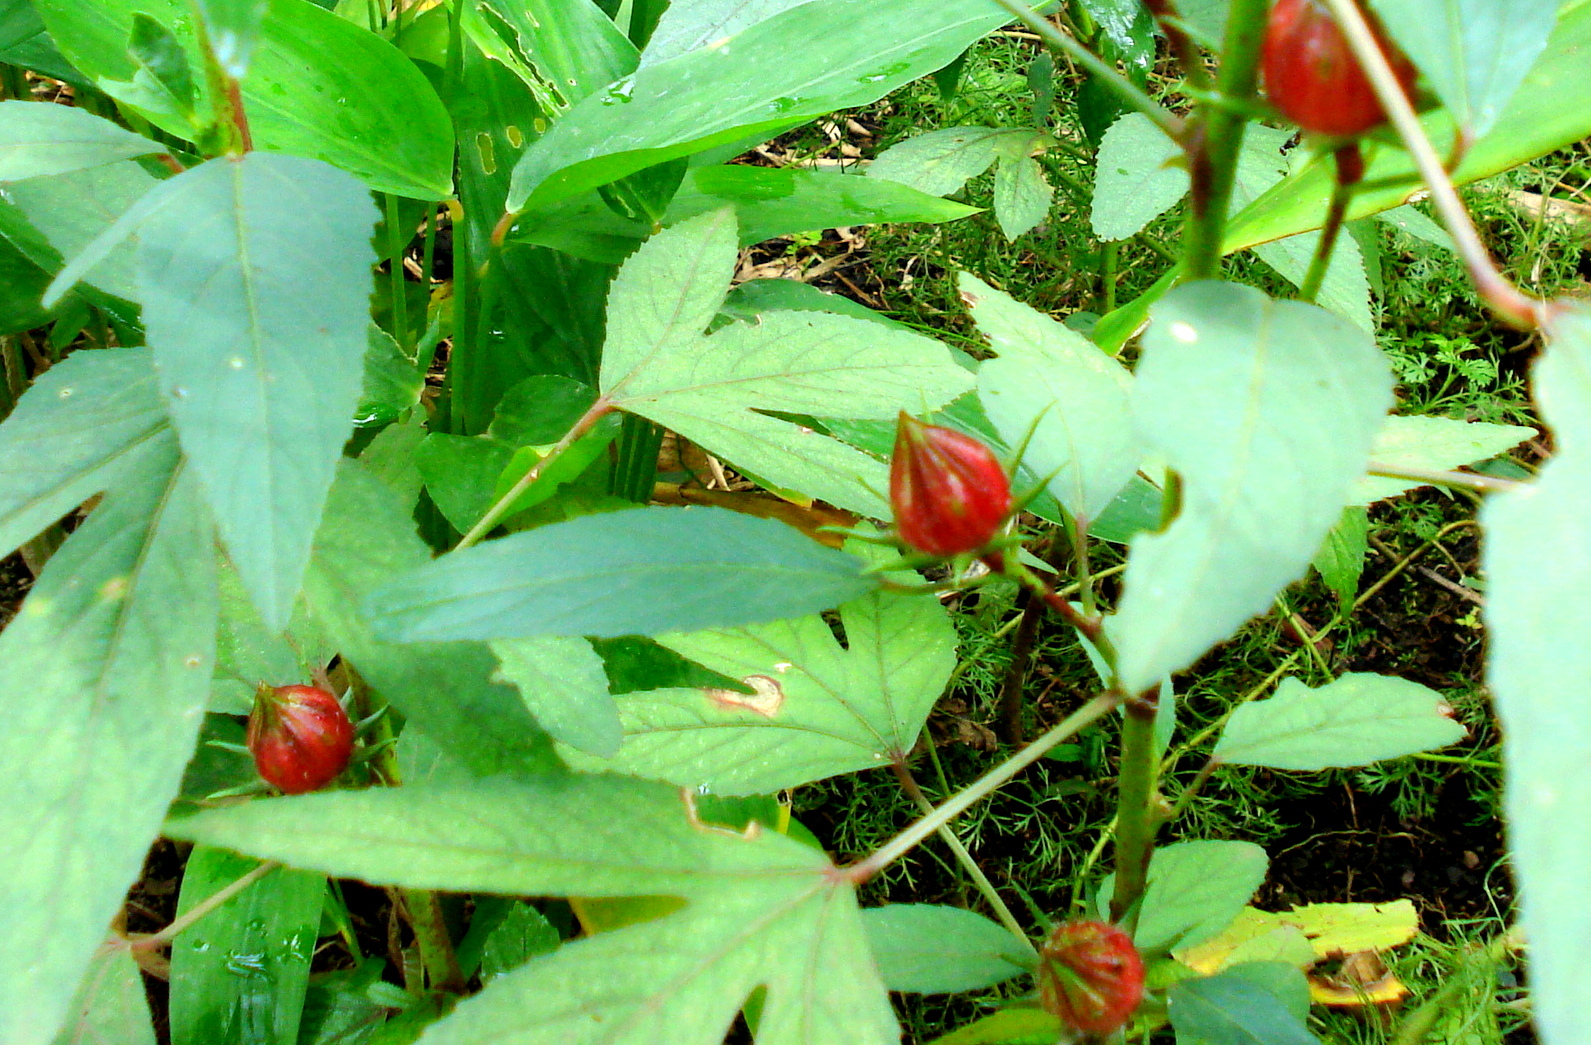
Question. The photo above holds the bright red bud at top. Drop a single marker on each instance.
(949, 492)
(300, 737)
(1090, 976)
(1312, 76)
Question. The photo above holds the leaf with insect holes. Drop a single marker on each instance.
(1540, 677)
(1267, 410)
(106, 671)
(717, 390)
(764, 910)
(816, 708)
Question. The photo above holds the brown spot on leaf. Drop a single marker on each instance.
(766, 698)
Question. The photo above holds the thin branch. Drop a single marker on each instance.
(204, 907)
(1438, 477)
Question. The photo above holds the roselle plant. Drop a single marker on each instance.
(384, 315)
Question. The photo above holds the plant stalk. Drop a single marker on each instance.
(1510, 303)
(1350, 170)
(1138, 813)
(1129, 92)
(204, 907)
(600, 409)
(1213, 143)
(985, 887)
(398, 285)
(980, 789)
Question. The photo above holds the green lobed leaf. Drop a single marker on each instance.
(758, 87)
(1253, 1003)
(103, 679)
(814, 708)
(636, 572)
(1022, 196)
(1473, 53)
(1267, 410)
(72, 434)
(110, 1005)
(1539, 672)
(1355, 720)
(928, 949)
(241, 972)
(1135, 178)
(38, 139)
(563, 684)
(444, 691)
(1195, 890)
(317, 86)
(941, 162)
(1435, 444)
(713, 389)
(1054, 383)
(255, 277)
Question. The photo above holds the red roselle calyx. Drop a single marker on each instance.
(949, 492)
(300, 737)
(1090, 976)
(1312, 76)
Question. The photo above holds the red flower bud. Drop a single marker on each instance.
(1090, 976)
(950, 494)
(300, 737)
(1312, 76)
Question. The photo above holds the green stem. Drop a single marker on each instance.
(399, 286)
(1187, 52)
(985, 887)
(1214, 142)
(600, 409)
(980, 789)
(1107, 277)
(1137, 808)
(1109, 75)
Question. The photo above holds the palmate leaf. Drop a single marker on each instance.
(103, 680)
(816, 709)
(763, 910)
(1267, 410)
(1537, 619)
(714, 389)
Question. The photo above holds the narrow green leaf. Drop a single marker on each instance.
(1474, 53)
(255, 276)
(73, 432)
(1356, 720)
(317, 86)
(1434, 444)
(38, 139)
(1195, 890)
(1008, 1027)
(110, 1005)
(103, 679)
(815, 709)
(1054, 383)
(234, 30)
(571, 44)
(927, 949)
(1341, 559)
(444, 691)
(758, 87)
(1242, 1006)
(564, 686)
(637, 572)
(713, 389)
(1537, 619)
(1135, 177)
(241, 973)
(692, 24)
(1267, 410)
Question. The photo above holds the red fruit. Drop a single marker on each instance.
(1312, 76)
(300, 737)
(949, 492)
(1090, 976)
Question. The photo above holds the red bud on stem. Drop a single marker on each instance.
(949, 492)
